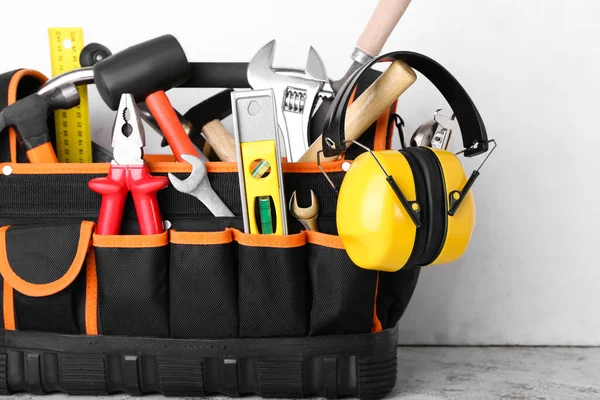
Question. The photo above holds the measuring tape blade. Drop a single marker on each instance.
(73, 138)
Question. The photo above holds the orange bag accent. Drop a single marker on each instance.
(201, 238)
(312, 167)
(390, 134)
(91, 294)
(131, 241)
(8, 308)
(57, 169)
(13, 87)
(381, 131)
(159, 167)
(275, 241)
(325, 240)
(45, 289)
(376, 326)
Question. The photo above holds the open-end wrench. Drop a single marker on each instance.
(198, 185)
(306, 216)
(295, 92)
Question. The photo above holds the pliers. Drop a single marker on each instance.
(128, 172)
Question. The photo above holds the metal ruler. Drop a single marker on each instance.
(73, 137)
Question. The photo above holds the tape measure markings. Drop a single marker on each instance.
(73, 137)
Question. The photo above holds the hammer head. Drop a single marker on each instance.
(29, 115)
(63, 97)
(156, 65)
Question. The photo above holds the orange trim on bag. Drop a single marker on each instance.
(46, 289)
(312, 167)
(13, 90)
(390, 134)
(323, 239)
(275, 241)
(381, 131)
(131, 241)
(376, 325)
(201, 238)
(158, 167)
(8, 307)
(91, 294)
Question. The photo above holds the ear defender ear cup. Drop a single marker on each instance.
(374, 218)
(462, 223)
(376, 231)
(432, 200)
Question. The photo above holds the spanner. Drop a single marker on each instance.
(306, 216)
(295, 92)
(198, 185)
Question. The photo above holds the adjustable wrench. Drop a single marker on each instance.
(295, 91)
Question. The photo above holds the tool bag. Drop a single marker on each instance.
(201, 309)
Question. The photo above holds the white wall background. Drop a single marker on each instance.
(531, 274)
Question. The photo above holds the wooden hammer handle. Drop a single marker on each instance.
(221, 141)
(383, 21)
(365, 110)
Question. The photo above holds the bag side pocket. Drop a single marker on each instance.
(273, 285)
(43, 286)
(343, 294)
(203, 285)
(132, 274)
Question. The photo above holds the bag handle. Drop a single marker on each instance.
(15, 85)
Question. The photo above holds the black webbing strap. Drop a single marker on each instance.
(4, 140)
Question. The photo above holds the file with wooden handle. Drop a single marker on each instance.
(384, 19)
(381, 24)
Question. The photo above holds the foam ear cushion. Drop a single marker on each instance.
(421, 191)
(431, 195)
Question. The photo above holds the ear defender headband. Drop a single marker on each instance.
(413, 207)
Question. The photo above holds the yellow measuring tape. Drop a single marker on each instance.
(73, 138)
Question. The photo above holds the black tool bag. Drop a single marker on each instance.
(201, 309)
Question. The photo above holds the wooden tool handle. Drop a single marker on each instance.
(383, 21)
(221, 141)
(370, 105)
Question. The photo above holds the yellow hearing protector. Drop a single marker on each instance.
(413, 207)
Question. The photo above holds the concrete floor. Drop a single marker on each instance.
(428, 373)
(498, 373)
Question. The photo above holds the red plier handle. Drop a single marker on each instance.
(114, 188)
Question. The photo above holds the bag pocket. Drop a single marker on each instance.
(44, 288)
(203, 285)
(273, 285)
(343, 294)
(132, 273)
